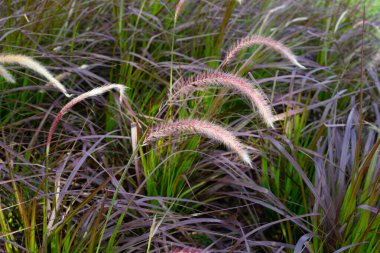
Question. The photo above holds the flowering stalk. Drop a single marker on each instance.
(34, 65)
(242, 85)
(6, 75)
(178, 8)
(94, 92)
(260, 40)
(204, 128)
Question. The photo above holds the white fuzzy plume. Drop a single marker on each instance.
(34, 65)
(6, 75)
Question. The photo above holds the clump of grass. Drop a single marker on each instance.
(94, 92)
(242, 85)
(205, 128)
(32, 64)
(197, 209)
(260, 40)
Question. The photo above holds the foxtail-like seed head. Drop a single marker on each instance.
(204, 128)
(6, 75)
(178, 9)
(34, 65)
(260, 40)
(94, 92)
(239, 84)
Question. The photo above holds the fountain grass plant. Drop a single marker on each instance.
(311, 135)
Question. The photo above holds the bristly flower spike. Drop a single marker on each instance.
(94, 92)
(34, 65)
(260, 40)
(178, 8)
(204, 128)
(239, 84)
(6, 75)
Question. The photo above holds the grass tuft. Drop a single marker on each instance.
(312, 181)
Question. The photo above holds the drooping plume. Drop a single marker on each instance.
(94, 92)
(204, 128)
(260, 40)
(34, 65)
(6, 75)
(239, 84)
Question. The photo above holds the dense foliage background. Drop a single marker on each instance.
(314, 185)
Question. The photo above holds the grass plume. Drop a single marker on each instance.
(64, 75)
(260, 40)
(178, 8)
(242, 85)
(34, 65)
(308, 191)
(94, 92)
(6, 75)
(204, 128)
